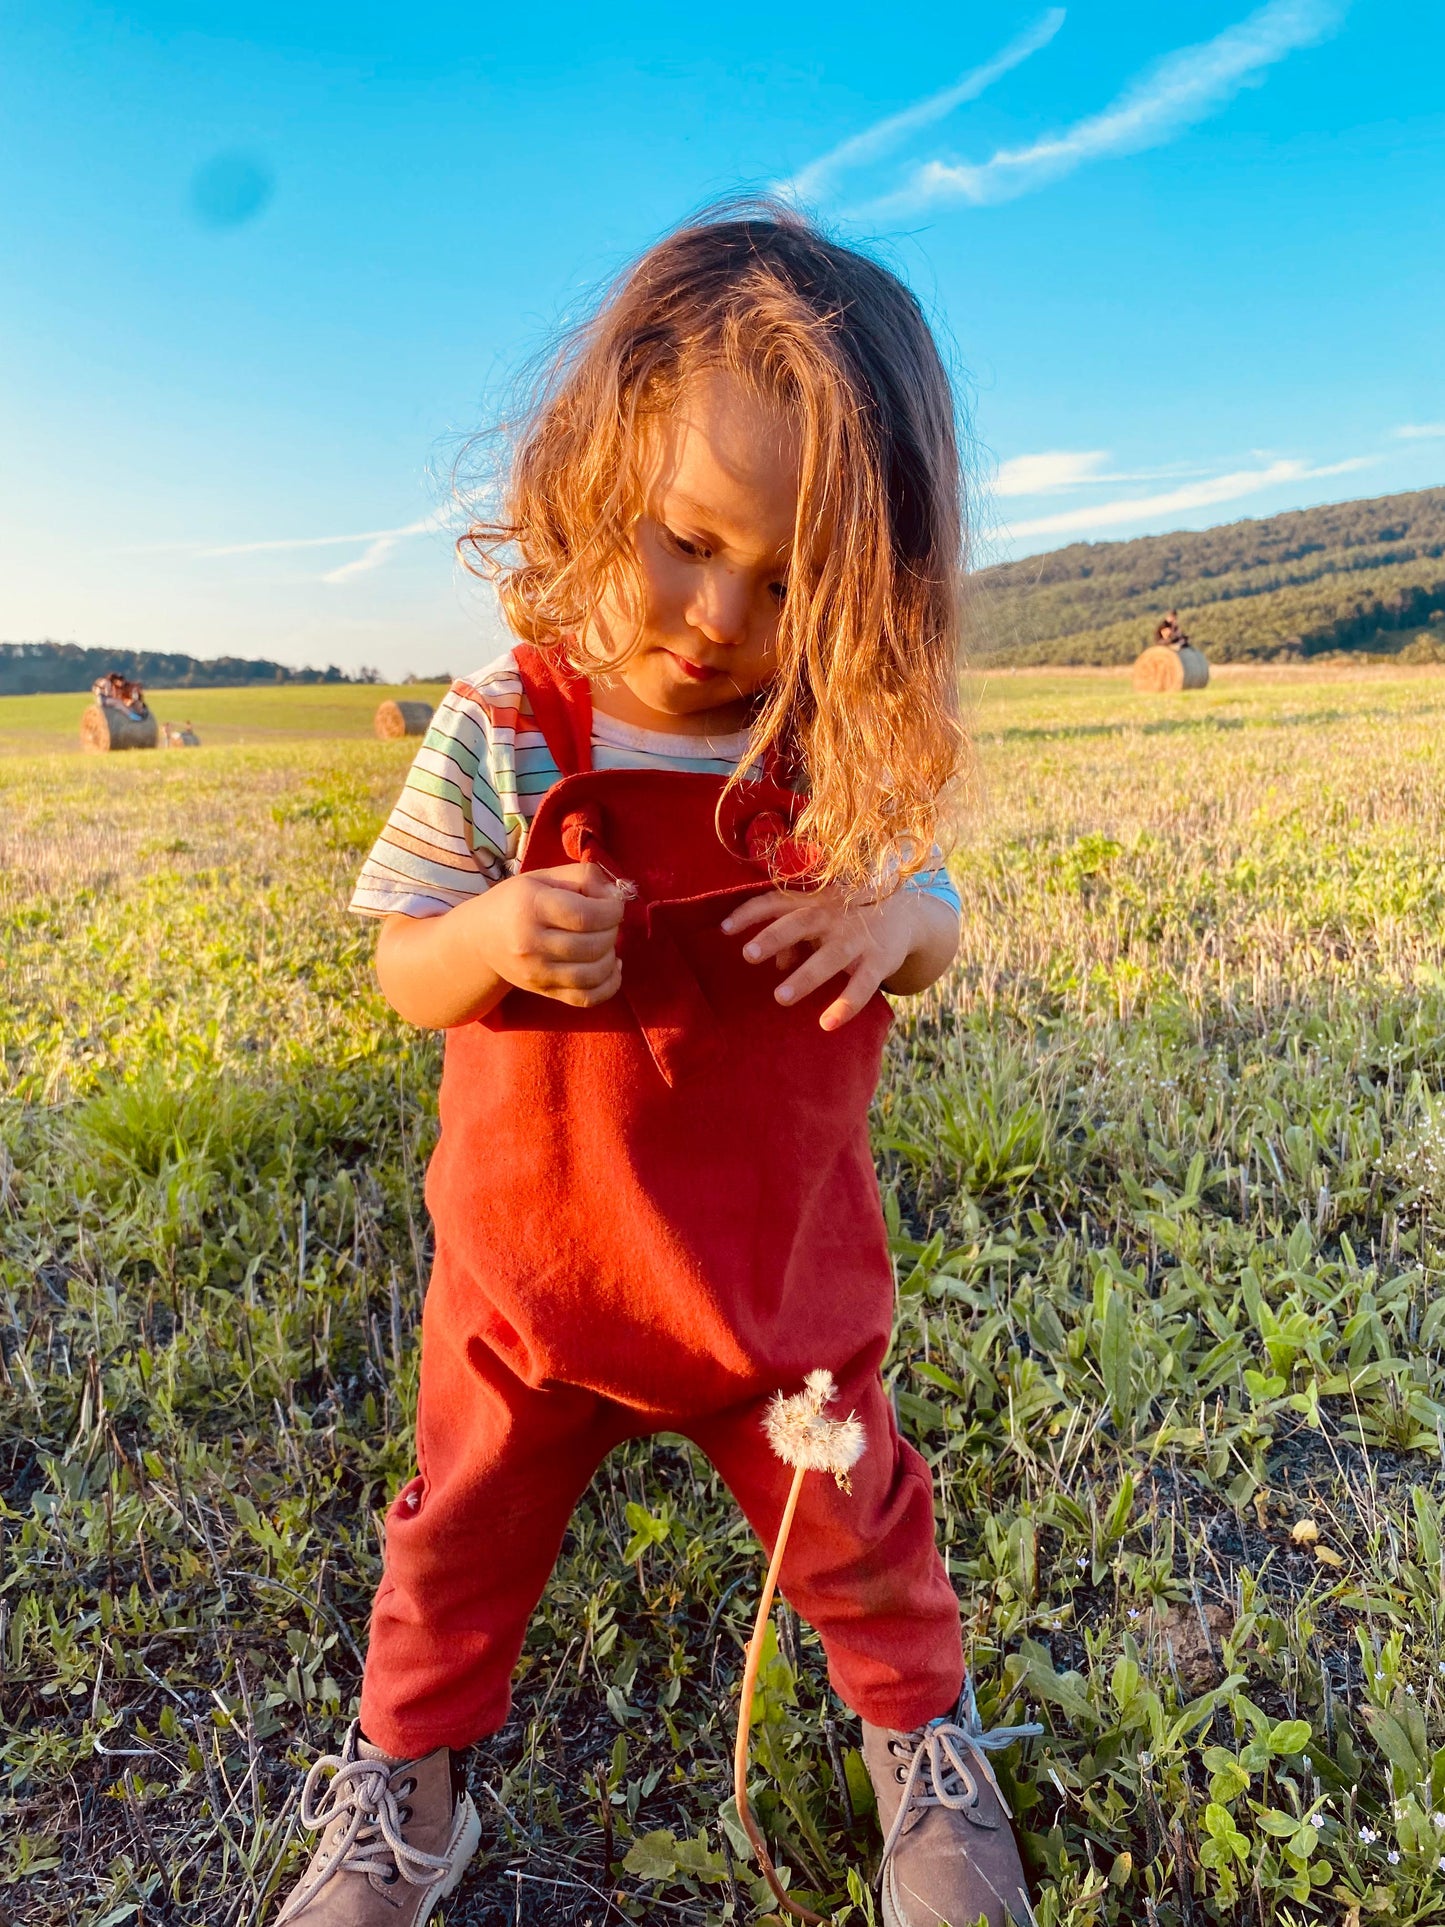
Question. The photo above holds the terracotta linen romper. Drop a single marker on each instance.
(650, 1216)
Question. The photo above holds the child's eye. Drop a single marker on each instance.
(696, 550)
(778, 591)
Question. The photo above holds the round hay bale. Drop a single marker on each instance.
(395, 719)
(1162, 669)
(104, 727)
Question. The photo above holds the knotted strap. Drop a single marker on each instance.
(948, 1756)
(360, 1794)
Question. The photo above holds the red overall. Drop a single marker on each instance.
(650, 1216)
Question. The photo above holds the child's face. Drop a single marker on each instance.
(712, 546)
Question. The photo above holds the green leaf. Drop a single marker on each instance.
(695, 1857)
(1219, 1824)
(736, 1832)
(1289, 1736)
(1393, 1739)
(1282, 1825)
(860, 1783)
(646, 1531)
(1228, 1779)
(1116, 1357)
(1064, 1690)
(1117, 1520)
(776, 1687)
(1301, 1246)
(1302, 1846)
(653, 1857)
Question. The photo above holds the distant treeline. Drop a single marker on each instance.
(53, 668)
(1357, 576)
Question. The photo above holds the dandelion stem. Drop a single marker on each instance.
(745, 1707)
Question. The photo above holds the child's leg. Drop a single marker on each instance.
(471, 1541)
(863, 1567)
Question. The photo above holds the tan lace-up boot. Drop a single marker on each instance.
(396, 1836)
(949, 1855)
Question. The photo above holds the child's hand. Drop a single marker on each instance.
(554, 932)
(818, 934)
(550, 931)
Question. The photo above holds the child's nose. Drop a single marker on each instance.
(721, 607)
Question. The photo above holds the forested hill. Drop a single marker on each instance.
(40, 668)
(1357, 576)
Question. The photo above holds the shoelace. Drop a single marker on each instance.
(939, 1774)
(373, 1842)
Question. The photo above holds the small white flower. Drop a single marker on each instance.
(1438, 1819)
(1368, 1836)
(1441, 1863)
(1083, 1560)
(803, 1436)
(1411, 1691)
(1393, 1857)
(1133, 1612)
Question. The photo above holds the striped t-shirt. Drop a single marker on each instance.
(460, 824)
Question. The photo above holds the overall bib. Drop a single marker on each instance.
(650, 1216)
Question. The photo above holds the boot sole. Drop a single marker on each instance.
(465, 1841)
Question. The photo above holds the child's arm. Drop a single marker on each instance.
(549, 931)
(901, 944)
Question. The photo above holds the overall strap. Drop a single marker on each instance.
(561, 702)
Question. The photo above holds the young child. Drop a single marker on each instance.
(650, 872)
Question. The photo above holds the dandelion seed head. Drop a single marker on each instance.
(803, 1436)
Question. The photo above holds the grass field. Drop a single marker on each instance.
(1165, 1160)
(266, 713)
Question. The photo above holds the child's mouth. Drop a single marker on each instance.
(695, 671)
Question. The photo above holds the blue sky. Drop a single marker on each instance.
(263, 268)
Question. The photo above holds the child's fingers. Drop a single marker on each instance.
(861, 988)
(575, 946)
(823, 964)
(582, 985)
(799, 923)
(560, 906)
(588, 879)
(747, 916)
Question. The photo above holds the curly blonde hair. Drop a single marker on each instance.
(865, 696)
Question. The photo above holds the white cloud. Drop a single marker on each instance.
(816, 179)
(1062, 469)
(389, 536)
(1057, 468)
(373, 555)
(1183, 88)
(1194, 495)
(1420, 432)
